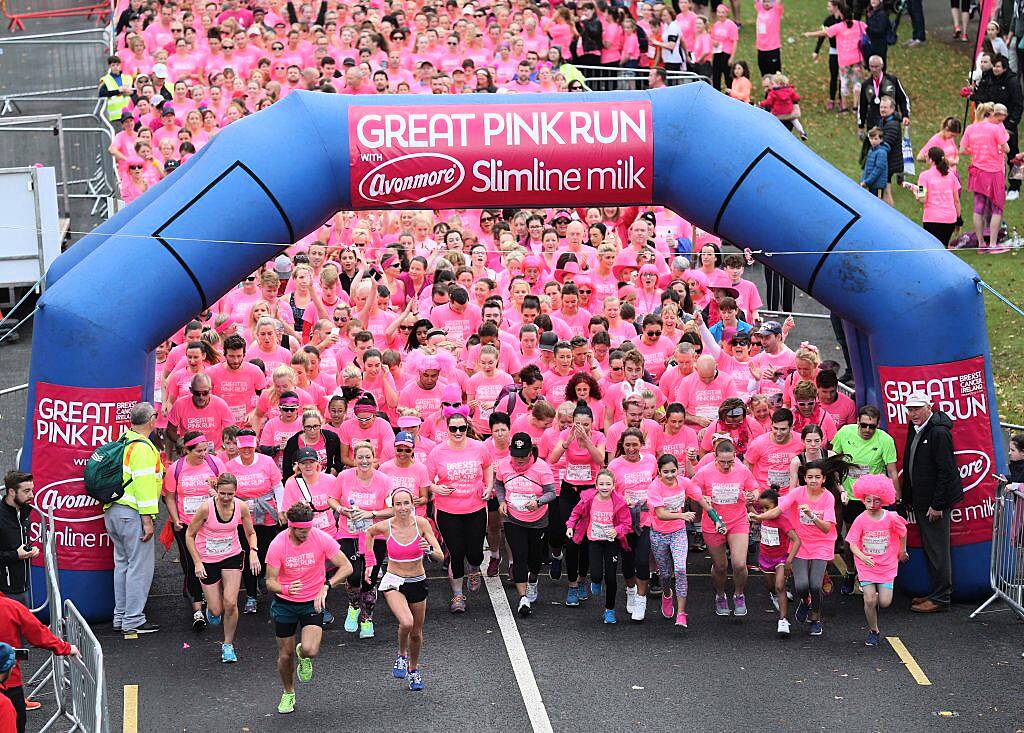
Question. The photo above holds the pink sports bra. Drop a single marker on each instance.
(399, 552)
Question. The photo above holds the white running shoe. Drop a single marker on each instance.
(531, 591)
(783, 629)
(639, 608)
(630, 599)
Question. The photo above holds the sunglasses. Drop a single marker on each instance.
(486, 218)
(654, 334)
(867, 425)
(806, 403)
(403, 450)
(458, 428)
(226, 48)
(251, 279)
(616, 369)
(453, 43)
(277, 48)
(340, 319)
(584, 291)
(451, 404)
(135, 167)
(405, 329)
(289, 409)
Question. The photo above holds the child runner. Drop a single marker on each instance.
(878, 540)
(666, 497)
(604, 518)
(779, 545)
(298, 578)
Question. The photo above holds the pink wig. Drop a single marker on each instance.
(418, 361)
(878, 485)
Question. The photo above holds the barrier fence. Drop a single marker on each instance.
(18, 11)
(54, 63)
(1007, 566)
(602, 79)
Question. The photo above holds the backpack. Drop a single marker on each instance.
(179, 466)
(104, 471)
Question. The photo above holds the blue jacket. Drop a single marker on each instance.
(876, 167)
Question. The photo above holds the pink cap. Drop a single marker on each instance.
(409, 421)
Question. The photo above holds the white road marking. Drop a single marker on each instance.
(517, 655)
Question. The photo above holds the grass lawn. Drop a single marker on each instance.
(932, 75)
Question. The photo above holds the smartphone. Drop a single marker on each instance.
(21, 654)
(335, 331)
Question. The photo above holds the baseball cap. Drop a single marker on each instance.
(306, 454)
(548, 339)
(408, 421)
(404, 438)
(917, 399)
(283, 265)
(770, 327)
(521, 445)
(7, 657)
(561, 214)
(160, 70)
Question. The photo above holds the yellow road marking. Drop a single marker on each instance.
(908, 660)
(131, 709)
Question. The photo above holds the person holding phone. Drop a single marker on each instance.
(15, 550)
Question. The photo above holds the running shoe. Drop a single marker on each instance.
(287, 704)
(473, 581)
(492, 567)
(630, 598)
(584, 592)
(415, 680)
(668, 606)
(783, 629)
(816, 628)
(147, 628)
(400, 669)
(572, 596)
(525, 609)
(352, 620)
(681, 620)
(609, 616)
(211, 619)
(801, 611)
(698, 544)
(31, 704)
(739, 602)
(531, 591)
(847, 587)
(595, 589)
(556, 567)
(872, 639)
(826, 585)
(198, 621)
(722, 606)
(654, 589)
(639, 609)
(305, 670)
(328, 617)
(366, 630)
(227, 654)
(458, 604)
(251, 605)
(775, 600)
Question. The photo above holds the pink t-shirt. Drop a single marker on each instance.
(274, 432)
(703, 399)
(814, 544)
(771, 461)
(379, 434)
(413, 477)
(655, 355)
(946, 144)
(784, 363)
(580, 467)
(983, 141)
(775, 538)
(602, 518)
(673, 498)
(271, 411)
(459, 326)
(426, 402)
(372, 496)
(677, 445)
(324, 488)
(632, 480)
(256, 480)
(653, 435)
(843, 410)
(726, 493)
(485, 390)
(847, 41)
(191, 486)
(237, 387)
(271, 359)
(521, 487)
(769, 24)
(210, 420)
(304, 563)
(725, 35)
(941, 194)
(461, 470)
(881, 539)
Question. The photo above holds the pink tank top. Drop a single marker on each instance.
(218, 540)
(399, 552)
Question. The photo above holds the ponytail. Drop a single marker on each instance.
(936, 156)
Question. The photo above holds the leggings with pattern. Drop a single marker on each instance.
(670, 555)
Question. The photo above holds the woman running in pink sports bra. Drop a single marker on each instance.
(404, 585)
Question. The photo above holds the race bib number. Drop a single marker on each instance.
(675, 503)
(725, 493)
(219, 545)
(876, 544)
(810, 516)
(762, 27)
(191, 504)
(580, 474)
(251, 503)
(600, 531)
(857, 471)
(322, 520)
(635, 496)
(770, 536)
(358, 526)
(519, 501)
(778, 478)
(708, 411)
(238, 413)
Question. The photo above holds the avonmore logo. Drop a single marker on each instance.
(974, 467)
(412, 178)
(65, 506)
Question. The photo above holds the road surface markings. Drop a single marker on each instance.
(908, 660)
(131, 709)
(517, 655)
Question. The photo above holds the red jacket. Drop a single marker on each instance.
(8, 716)
(780, 100)
(579, 520)
(16, 622)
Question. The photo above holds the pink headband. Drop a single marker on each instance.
(225, 326)
(300, 525)
(290, 402)
(198, 440)
(246, 441)
(451, 411)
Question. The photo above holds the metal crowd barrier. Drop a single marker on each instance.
(51, 603)
(602, 79)
(54, 63)
(87, 683)
(1007, 567)
(18, 11)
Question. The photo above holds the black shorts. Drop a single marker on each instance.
(214, 569)
(290, 615)
(851, 510)
(414, 592)
(493, 504)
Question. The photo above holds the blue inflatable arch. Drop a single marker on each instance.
(275, 176)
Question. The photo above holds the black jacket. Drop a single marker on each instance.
(933, 480)
(1004, 89)
(291, 449)
(868, 115)
(591, 37)
(892, 134)
(14, 573)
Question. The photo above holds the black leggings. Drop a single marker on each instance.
(833, 76)
(768, 62)
(942, 232)
(350, 546)
(577, 560)
(720, 70)
(636, 561)
(192, 589)
(527, 545)
(265, 534)
(464, 537)
(604, 557)
(807, 578)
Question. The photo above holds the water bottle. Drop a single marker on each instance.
(355, 526)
